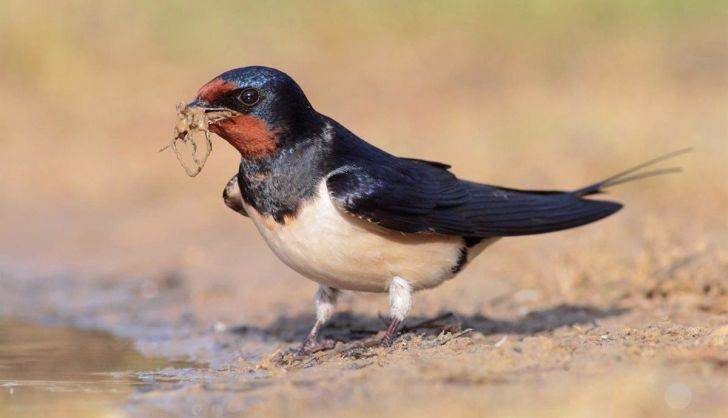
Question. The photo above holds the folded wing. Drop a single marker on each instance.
(423, 197)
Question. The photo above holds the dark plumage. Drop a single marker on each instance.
(352, 216)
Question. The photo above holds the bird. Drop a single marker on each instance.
(353, 217)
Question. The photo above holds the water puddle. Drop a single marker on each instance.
(65, 372)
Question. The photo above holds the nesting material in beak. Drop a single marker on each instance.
(192, 119)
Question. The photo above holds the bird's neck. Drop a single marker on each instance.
(278, 185)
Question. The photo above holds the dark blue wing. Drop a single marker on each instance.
(422, 197)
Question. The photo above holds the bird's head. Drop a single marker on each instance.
(269, 110)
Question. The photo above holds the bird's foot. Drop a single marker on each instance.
(387, 341)
(313, 345)
(391, 334)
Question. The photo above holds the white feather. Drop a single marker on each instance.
(325, 303)
(400, 298)
(341, 251)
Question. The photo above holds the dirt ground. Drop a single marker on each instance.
(627, 317)
(489, 345)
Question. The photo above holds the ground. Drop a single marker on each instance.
(626, 317)
(600, 321)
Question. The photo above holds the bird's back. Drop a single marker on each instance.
(416, 196)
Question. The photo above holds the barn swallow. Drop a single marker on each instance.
(351, 216)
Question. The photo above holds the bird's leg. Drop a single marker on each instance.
(400, 301)
(325, 304)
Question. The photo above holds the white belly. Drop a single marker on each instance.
(341, 251)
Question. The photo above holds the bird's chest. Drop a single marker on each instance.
(278, 185)
(338, 250)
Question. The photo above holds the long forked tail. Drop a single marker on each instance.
(632, 174)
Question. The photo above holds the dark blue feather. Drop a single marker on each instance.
(411, 195)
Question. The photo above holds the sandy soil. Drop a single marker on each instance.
(627, 317)
(584, 326)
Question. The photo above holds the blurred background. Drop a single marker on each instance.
(537, 94)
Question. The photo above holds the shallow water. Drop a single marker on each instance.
(59, 372)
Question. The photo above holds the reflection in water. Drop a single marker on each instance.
(52, 371)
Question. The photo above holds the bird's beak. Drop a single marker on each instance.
(203, 105)
(213, 114)
(198, 103)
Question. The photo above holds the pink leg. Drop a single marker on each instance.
(325, 303)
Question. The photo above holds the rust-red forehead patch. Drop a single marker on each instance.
(214, 88)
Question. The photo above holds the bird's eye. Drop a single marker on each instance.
(249, 97)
